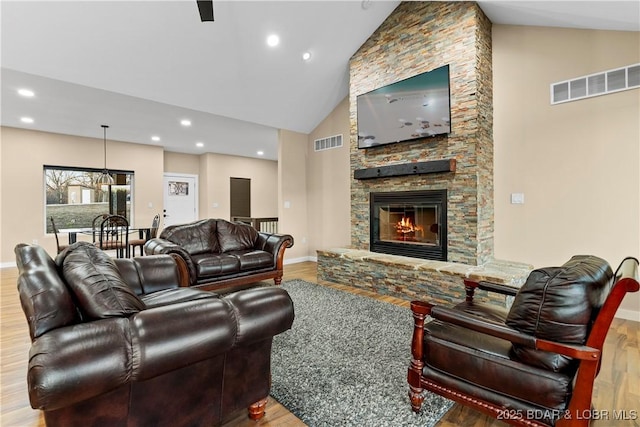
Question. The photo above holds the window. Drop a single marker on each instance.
(73, 197)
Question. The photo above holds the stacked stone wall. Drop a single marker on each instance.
(419, 37)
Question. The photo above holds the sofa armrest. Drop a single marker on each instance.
(158, 245)
(74, 363)
(260, 313)
(173, 336)
(275, 244)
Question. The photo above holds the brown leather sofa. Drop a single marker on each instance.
(533, 365)
(221, 254)
(124, 343)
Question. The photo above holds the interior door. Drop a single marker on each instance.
(240, 190)
(180, 198)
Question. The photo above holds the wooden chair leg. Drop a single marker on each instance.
(256, 410)
(416, 397)
(420, 312)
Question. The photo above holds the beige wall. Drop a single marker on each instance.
(216, 171)
(181, 163)
(328, 184)
(292, 192)
(577, 163)
(24, 153)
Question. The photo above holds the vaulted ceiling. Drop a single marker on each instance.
(143, 66)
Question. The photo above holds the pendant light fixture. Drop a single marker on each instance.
(105, 178)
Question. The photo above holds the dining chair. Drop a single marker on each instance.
(114, 235)
(150, 234)
(95, 224)
(59, 247)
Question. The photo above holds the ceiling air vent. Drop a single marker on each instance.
(328, 143)
(596, 84)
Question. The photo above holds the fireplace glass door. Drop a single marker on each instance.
(410, 223)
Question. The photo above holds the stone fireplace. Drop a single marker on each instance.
(419, 37)
(409, 223)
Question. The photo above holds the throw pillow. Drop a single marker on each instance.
(97, 284)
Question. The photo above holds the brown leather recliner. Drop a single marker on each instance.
(124, 342)
(223, 255)
(533, 365)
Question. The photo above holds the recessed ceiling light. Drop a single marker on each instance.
(26, 92)
(273, 40)
(306, 56)
(185, 122)
(26, 119)
(200, 144)
(155, 138)
(260, 153)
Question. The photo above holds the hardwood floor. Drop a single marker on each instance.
(617, 386)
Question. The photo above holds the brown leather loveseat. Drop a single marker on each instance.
(222, 254)
(121, 343)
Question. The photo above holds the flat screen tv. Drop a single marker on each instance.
(417, 107)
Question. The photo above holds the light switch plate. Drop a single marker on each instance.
(517, 198)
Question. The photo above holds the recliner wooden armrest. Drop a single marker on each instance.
(483, 326)
(470, 287)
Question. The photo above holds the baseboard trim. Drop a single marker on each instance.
(301, 259)
(632, 315)
(8, 264)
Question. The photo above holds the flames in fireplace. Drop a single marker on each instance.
(407, 229)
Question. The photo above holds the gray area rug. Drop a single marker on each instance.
(344, 362)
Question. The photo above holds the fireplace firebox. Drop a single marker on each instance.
(409, 223)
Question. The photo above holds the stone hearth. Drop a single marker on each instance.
(411, 278)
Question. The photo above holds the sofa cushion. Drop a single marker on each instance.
(486, 361)
(559, 304)
(208, 265)
(236, 236)
(94, 279)
(196, 237)
(253, 260)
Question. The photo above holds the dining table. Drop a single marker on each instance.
(143, 232)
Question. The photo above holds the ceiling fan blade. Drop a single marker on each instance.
(206, 10)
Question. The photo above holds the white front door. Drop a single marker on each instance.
(180, 198)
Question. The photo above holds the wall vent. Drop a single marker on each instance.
(609, 81)
(328, 143)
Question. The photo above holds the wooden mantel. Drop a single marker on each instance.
(414, 168)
